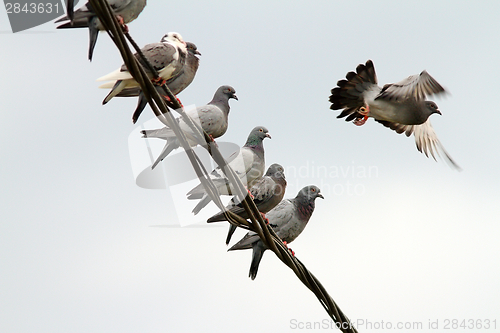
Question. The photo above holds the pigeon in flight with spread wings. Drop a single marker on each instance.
(400, 106)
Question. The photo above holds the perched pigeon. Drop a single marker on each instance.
(248, 164)
(400, 106)
(267, 193)
(288, 219)
(176, 84)
(212, 117)
(167, 57)
(125, 10)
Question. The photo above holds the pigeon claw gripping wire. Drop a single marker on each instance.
(120, 19)
(264, 218)
(289, 249)
(178, 100)
(166, 96)
(159, 82)
(121, 22)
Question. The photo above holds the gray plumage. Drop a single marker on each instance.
(400, 106)
(176, 84)
(248, 163)
(288, 219)
(213, 119)
(126, 10)
(167, 57)
(267, 193)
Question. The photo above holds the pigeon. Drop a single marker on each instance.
(400, 106)
(125, 10)
(167, 57)
(176, 84)
(267, 193)
(288, 219)
(248, 164)
(213, 118)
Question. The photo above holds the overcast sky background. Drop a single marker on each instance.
(413, 241)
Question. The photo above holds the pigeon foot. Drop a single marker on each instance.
(121, 21)
(360, 121)
(265, 218)
(159, 81)
(364, 111)
(289, 249)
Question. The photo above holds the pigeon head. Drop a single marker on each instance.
(175, 38)
(275, 171)
(310, 193)
(228, 91)
(431, 107)
(258, 134)
(305, 201)
(191, 47)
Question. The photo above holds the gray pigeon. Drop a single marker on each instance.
(400, 106)
(213, 118)
(125, 10)
(167, 57)
(267, 193)
(248, 163)
(176, 84)
(288, 219)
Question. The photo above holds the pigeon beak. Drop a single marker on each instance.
(268, 135)
(439, 112)
(197, 52)
(234, 96)
(320, 196)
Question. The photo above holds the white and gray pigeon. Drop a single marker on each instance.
(167, 57)
(400, 106)
(125, 10)
(213, 118)
(248, 163)
(267, 193)
(176, 84)
(288, 219)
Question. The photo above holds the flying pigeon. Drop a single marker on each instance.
(125, 10)
(213, 118)
(176, 84)
(167, 57)
(400, 106)
(248, 164)
(267, 193)
(288, 219)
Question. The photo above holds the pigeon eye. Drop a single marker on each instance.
(261, 130)
(313, 190)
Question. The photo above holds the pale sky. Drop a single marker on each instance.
(399, 238)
